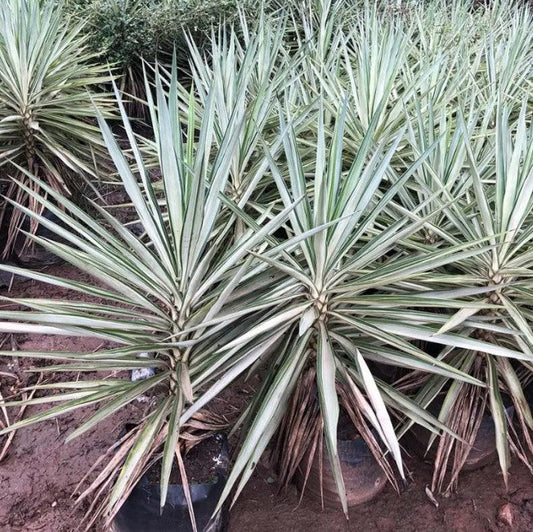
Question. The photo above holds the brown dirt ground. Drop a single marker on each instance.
(40, 473)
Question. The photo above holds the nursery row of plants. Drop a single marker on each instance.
(335, 196)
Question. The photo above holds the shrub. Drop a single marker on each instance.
(126, 32)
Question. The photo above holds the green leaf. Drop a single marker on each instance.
(329, 407)
(497, 409)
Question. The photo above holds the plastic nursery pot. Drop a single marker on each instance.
(363, 477)
(34, 255)
(483, 451)
(141, 513)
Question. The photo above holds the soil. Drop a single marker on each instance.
(40, 472)
(200, 464)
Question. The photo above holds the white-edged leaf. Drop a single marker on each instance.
(380, 409)
(306, 321)
(329, 407)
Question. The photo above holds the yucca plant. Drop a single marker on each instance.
(47, 113)
(169, 293)
(357, 301)
(488, 195)
(479, 162)
(245, 66)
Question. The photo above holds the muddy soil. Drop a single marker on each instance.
(40, 472)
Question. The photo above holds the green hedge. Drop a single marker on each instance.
(124, 30)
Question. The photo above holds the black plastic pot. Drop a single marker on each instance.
(363, 477)
(141, 513)
(38, 255)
